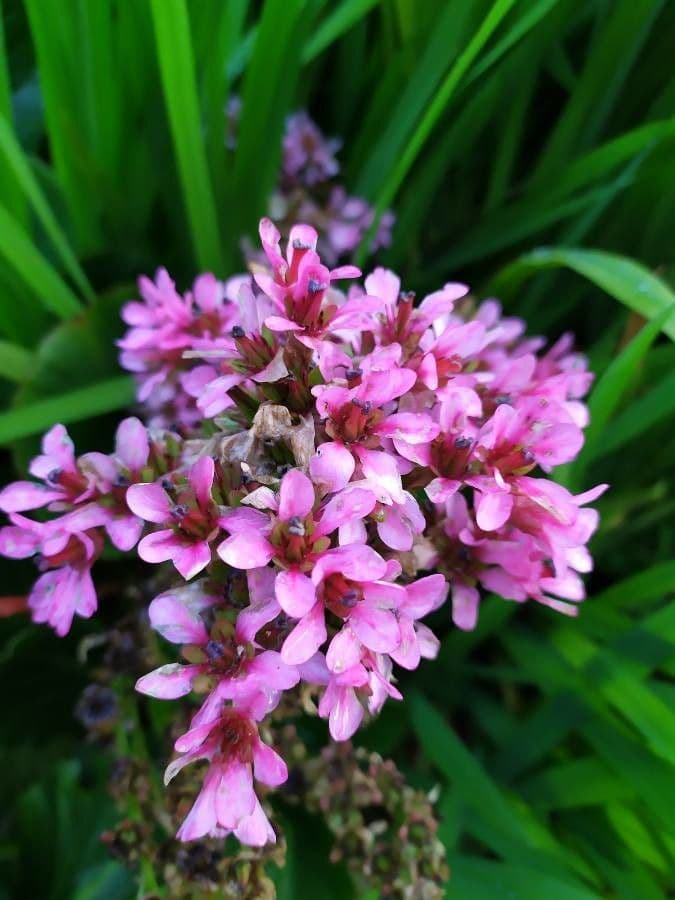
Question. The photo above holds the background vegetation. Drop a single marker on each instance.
(527, 147)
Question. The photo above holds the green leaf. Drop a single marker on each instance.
(71, 406)
(266, 100)
(656, 405)
(610, 388)
(177, 66)
(23, 256)
(16, 363)
(624, 279)
(27, 183)
(341, 19)
(473, 878)
(433, 112)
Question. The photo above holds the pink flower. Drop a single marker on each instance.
(308, 156)
(65, 479)
(227, 803)
(222, 657)
(65, 558)
(187, 508)
(299, 284)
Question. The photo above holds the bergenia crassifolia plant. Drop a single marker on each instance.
(343, 461)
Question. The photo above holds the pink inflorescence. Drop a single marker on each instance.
(348, 459)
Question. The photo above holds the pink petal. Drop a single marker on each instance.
(345, 715)
(355, 503)
(268, 766)
(272, 672)
(201, 480)
(425, 595)
(344, 651)
(407, 654)
(246, 550)
(24, 495)
(18, 543)
(381, 469)
(296, 495)
(176, 614)
(124, 531)
(58, 445)
(306, 638)
(493, 510)
(158, 546)
(255, 829)
(464, 606)
(357, 562)
(295, 592)
(332, 465)
(149, 501)
(377, 629)
(385, 284)
(281, 323)
(415, 428)
(201, 820)
(190, 558)
(168, 682)
(131, 443)
(235, 797)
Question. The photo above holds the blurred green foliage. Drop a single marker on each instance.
(508, 135)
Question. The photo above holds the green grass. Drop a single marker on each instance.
(527, 148)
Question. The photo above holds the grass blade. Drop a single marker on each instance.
(73, 406)
(177, 66)
(26, 181)
(438, 105)
(627, 281)
(16, 363)
(335, 25)
(21, 253)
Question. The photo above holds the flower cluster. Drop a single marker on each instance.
(308, 190)
(359, 457)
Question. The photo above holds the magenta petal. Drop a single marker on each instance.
(424, 595)
(23, 495)
(271, 672)
(355, 503)
(131, 443)
(201, 820)
(84, 594)
(344, 651)
(355, 561)
(281, 323)
(168, 682)
(149, 501)
(18, 543)
(255, 829)
(191, 558)
(407, 654)
(295, 592)
(268, 766)
(376, 628)
(493, 510)
(258, 613)
(235, 797)
(381, 469)
(124, 531)
(415, 428)
(176, 614)
(201, 480)
(296, 495)
(464, 606)
(158, 546)
(332, 465)
(345, 716)
(246, 550)
(306, 638)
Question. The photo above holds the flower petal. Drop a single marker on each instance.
(149, 501)
(296, 495)
(246, 550)
(168, 682)
(295, 592)
(306, 638)
(332, 465)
